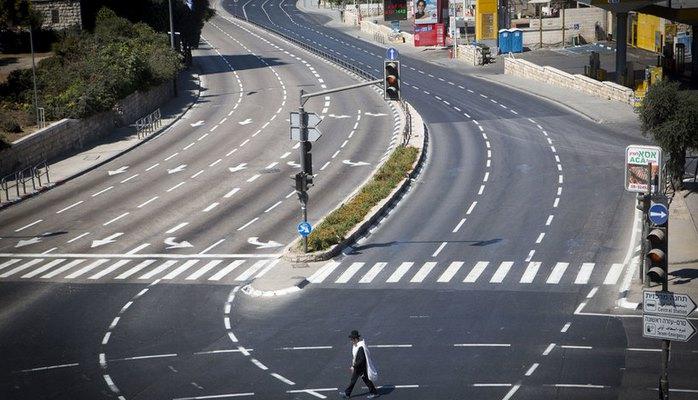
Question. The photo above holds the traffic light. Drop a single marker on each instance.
(301, 182)
(391, 80)
(656, 258)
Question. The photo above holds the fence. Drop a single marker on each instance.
(407, 131)
(148, 124)
(14, 185)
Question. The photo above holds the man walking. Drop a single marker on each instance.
(361, 366)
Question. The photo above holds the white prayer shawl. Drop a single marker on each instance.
(371, 368)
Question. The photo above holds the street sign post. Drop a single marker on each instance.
(304, 229)
(637, 157)
(391, 54)
(658, 214)
(667, 328)
(667, 303)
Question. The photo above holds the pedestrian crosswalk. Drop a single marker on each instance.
(91, 270)
(387, 274)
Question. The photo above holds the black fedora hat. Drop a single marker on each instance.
(354, 334)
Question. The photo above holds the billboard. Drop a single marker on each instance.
(395, 10)
(426, 12)
(636, 159)
(429, 35)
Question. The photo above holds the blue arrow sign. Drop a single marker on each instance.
(391, 54)
(304, 229)
(658, 214)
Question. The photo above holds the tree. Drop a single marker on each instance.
(15, 13)
(671, 117)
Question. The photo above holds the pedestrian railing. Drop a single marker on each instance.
(407, 130)
(148, 124)
(23, 182)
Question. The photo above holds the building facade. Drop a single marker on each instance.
(59, 14)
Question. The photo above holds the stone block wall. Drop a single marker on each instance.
(71, 134)
(606, 90)
(67, 13)
(585, 18)
(469, 54)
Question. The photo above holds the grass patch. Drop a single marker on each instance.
(334, 228)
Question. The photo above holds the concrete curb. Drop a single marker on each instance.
(110, 158)
(371, 218)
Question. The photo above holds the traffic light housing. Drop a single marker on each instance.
(657, 254)
(391, 80)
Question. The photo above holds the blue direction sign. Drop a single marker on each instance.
(391, 54)
(658, 214)
(304, 229)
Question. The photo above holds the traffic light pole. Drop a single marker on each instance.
(303, 149)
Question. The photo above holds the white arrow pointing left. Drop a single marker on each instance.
(106, 240)
(27, 242)
(261, 245)
(177, 169)
(355, 164)
(240, 167)
(245, 122)
(171, 244)
(121, 170)
(197, 123)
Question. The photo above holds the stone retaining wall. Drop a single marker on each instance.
(73, 134)
(606, 90)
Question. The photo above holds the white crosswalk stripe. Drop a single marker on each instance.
(89, 267)
(423, 272)
(584, 274)
(349, 273)
(135, 269)
(187, 264)
(373, 272)
(556, 274)
(613, 274)
(323, 272)
(476, 272)
(450, 271)
(226, 270)
(251, 270)
(20, 268)
(41, 270)
(201, 271)
(501, 272)
(62, 269)
(9, 263)
(157, 270)
(530, 272)
(109, 269)
(400, 272)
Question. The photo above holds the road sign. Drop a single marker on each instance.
(395, 26)
(313, 134)
(304, 229)
(391, 54)
(636, 159)
(667, 328)
(667, 303)
(313, 120)
(658, 214)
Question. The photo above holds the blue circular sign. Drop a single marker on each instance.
(391, 54)
(304, 229)
(658, 214)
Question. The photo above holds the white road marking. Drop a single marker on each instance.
(210, 207)
(373, 272)
(175, 187)
(532, 369)
(501, 272)
(272, 207)
(115, 219)
(324, 271)
(109, 269)
(584, 274)
(530, 273)
(441, 247)
(172, 156)
(530, 255)
(41, 269)
(587, 386)
(129, 178)
(557, 272)
(177, 271)
(87, 268)
(253, 178)
(565, 328)
(423, 272)
(198, 273)
(148, 202)
(540, 237)
(349, 273)
(70, 206)
(62, 269)
(282, 379)
(475, 273)
(231, 193)
(550, 219)
(548, 349)
(152, 166)
(399, 272)
(592, 292)
(212, 246)
(226, 270)
(162, 267)
(178, 227)
(248, 224)
(462, 221)
(135, 269)
(196, 174)
(247, 274)
(29, 225)
(450, 271)
(216, 396)
(50, 367)
(511, 392)
(9, 263)
(472, 207)
(613, 274)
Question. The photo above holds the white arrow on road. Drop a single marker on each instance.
(338, 116)
(120, 170)
(171, 244)
(261, 245)
(375, 115)
(240, 167)
(245, 122)
(106, 240)
(177, 169)
(293, 164)
(27, 242)
(355, 164)
(197, 123)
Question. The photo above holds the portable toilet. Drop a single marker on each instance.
(516, 40)
(504, 41)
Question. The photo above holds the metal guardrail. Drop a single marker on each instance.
(15, 185)
(148, 124)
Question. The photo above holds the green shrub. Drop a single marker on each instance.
(8, 123)
(340, 221)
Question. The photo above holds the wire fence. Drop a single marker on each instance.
(23, 182)
(148, 124)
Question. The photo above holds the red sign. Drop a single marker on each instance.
(429, 35)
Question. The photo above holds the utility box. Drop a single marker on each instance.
(516, 40)
(504, 41)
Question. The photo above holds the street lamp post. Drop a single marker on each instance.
(36, 97)
(172, 44)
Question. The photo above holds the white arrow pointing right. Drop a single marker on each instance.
(177, 169)
(118, 171)
(171, 244)
(106, 240)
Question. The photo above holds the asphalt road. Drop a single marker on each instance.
(494, 278)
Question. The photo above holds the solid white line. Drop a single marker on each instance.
(472, 206)
(450, 271)
(399, 272)
(144, 357)
(50, 367)
(373, 272)
(540, 237)
(613, 274)
(391, 346)
(198, 273)
(476, 271)
(491, 384)
(211, 207)
(324, 271)
(441, 247)
(216, 396)
(587, 386)
(151, 255)
(349, 273)
(272, 207)
(308, 348)
(103, 191)
(62, 269)
(550, 219)
(423, 272)
(584, 274)
(178, 227)
(69, 207)
(282, 379)
(566, 327)
(221, 351)
(115, 219)
(501, 272)
(147, 202)
(548, 349)
(576, 347)
(248, 224)
(482, 345)
(511, 392)
(27, 226)
(462, 221)
(530, 273)
(231, 193)
(639, 349)
(135, 269)
(531, 370)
